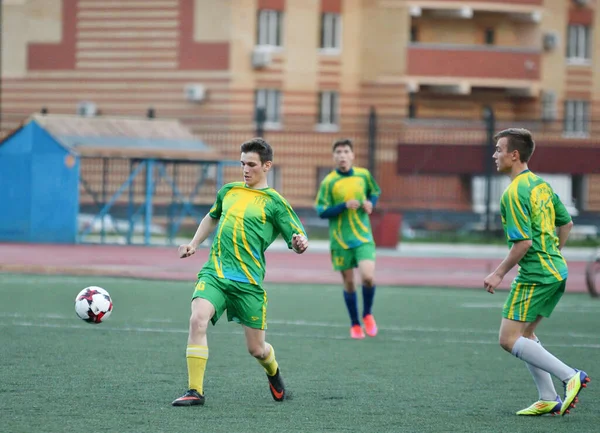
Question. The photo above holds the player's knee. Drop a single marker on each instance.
(348, 280)
(256, 350)
(368, 281)
(349, 287)
(506, 342)
(198, 323)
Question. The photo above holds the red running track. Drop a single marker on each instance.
(313, 267)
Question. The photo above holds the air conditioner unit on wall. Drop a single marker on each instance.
(87, 109)
(261, 58)
(550, 41)
(195, 92)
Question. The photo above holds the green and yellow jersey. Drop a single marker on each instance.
(249, 221)
(531, 210)
(348, 228)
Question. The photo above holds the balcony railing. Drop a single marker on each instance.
(467, 2)
(473, 61)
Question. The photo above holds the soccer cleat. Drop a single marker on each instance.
(572, 389)
(356, 332)
(542, 407)
(370, 325)
(277, 387)
(190, 398)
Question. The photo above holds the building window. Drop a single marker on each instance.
(270, 101)
(329, 109)
(414, 34)
(331, 31)
(412, 106)
(578, 43)
(548, 105)
(576, 118)
(269, 29)
(490, 36)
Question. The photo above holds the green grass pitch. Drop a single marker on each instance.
(435, 367)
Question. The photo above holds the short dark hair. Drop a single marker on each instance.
(518, 139)
(342, 142)
(260, 146)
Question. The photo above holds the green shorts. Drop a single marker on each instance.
(527, 301)
(347, 259)
(245, 303)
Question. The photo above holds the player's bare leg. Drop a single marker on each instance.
(265, 355)
(197, 353)
(356, 331)
(366, 269)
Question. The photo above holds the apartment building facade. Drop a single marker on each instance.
(317, 67)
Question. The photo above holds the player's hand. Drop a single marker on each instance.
(299, 243)
(492, 281)
(353, 204)
(368, 207)
(186, 251)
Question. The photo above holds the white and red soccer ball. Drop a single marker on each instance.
(93, 304)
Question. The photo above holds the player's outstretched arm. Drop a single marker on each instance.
(563, 234)
(206, 227)
(299, 243)
(516, 253)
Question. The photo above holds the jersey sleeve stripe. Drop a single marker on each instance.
(517, 202)
(293, 221)
(517, 225)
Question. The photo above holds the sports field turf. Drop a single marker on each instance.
(435, 367)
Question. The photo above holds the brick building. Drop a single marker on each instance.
(428, 67)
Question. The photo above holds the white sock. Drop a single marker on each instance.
(543, 381)
(534, 354)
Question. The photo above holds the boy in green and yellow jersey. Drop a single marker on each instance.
(248, 216)
(531, 215)
(346, 198)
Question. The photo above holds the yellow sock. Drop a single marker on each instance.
(196, 357)
(269, 363)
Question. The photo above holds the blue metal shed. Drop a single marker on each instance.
(44, 165)
(39, 187)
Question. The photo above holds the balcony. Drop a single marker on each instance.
(458, 68)
(522, 10)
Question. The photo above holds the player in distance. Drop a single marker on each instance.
(346, 198)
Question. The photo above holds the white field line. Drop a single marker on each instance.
(301, 324)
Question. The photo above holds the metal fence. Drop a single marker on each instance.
(444, 197)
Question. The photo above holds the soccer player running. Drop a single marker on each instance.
(532, 216)
(248, 217)
(347, 197)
